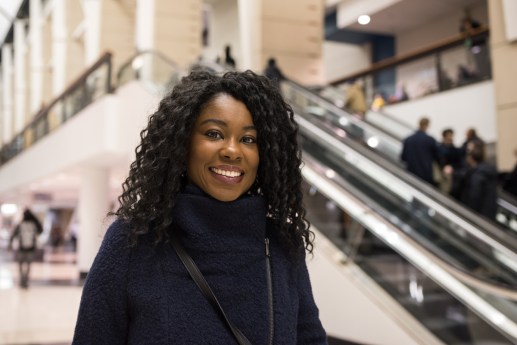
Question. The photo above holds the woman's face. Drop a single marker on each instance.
(223, 156)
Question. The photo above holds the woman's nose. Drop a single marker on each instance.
(231, 150)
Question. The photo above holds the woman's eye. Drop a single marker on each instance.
(213, 135)
(249, 140)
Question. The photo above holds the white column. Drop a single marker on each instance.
(19, 75)
(250, 37)
(93, 206)
(59, 35)
(144, 37)
(144, 25)
(7, 80)
(92, 19)
(36, 42)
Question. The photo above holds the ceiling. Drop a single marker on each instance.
(407, 14)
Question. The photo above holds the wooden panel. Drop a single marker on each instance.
(292, 37)
(505, 73)
(506, 143)
(183, 7)
(47, 46)
(75, 63)
(177, 31)
(118, 31)
(308, 11)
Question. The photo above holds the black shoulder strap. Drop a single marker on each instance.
(198, 277)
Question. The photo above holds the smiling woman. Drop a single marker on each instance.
(224, 156)
(217, 174)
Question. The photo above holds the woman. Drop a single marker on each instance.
(219, 168)
(26, 233)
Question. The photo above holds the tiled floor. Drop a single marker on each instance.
(46, 312)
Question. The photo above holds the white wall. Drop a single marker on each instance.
(437, 29)
(223, 30)
(342, 59)
(459, 109)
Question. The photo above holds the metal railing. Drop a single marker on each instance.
(453, 62)
(92, 84)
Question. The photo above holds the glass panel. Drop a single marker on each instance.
(157, 72)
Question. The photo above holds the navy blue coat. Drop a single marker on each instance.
(144, 295)
(479, 189)
(419, 151)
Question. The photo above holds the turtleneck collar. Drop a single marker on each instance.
(201, 218)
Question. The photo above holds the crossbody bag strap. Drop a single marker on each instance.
(201, 282)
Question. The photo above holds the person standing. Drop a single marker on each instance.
(355, 99)
(273, 72)
(449, 157)
(228, 58)
(478, 189)
(420, 152)
(217, 175)
(27, 234)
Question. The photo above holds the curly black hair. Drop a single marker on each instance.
(158, 173)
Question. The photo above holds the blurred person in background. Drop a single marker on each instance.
(26, 233)
(378, 102)
(355, 98)
(477, 185)
(273, 72)
(228, 58)
(420, 152)
(449, 156)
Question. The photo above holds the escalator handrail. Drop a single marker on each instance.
(341, 112)
(391, 118)
(427, 191)
(153, 52)
(417, 189)
(455, 282)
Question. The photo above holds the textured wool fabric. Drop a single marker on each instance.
(144, 295)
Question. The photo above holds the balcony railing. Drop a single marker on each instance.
(94, 83)
(447, 64)
(156, 72)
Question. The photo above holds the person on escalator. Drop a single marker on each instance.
(449, 156)
(355, 99)
(420, 152)
(477, 184)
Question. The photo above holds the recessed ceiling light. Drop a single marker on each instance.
(363, 19)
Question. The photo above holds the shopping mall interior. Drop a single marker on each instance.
(397, 260)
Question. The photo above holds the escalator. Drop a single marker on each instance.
(381, 134)
(460, 287)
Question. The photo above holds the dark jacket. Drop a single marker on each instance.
(273, 72)
(478, 189)
(419, 151)
(144, 295)
(450, 155)
(510, 183)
